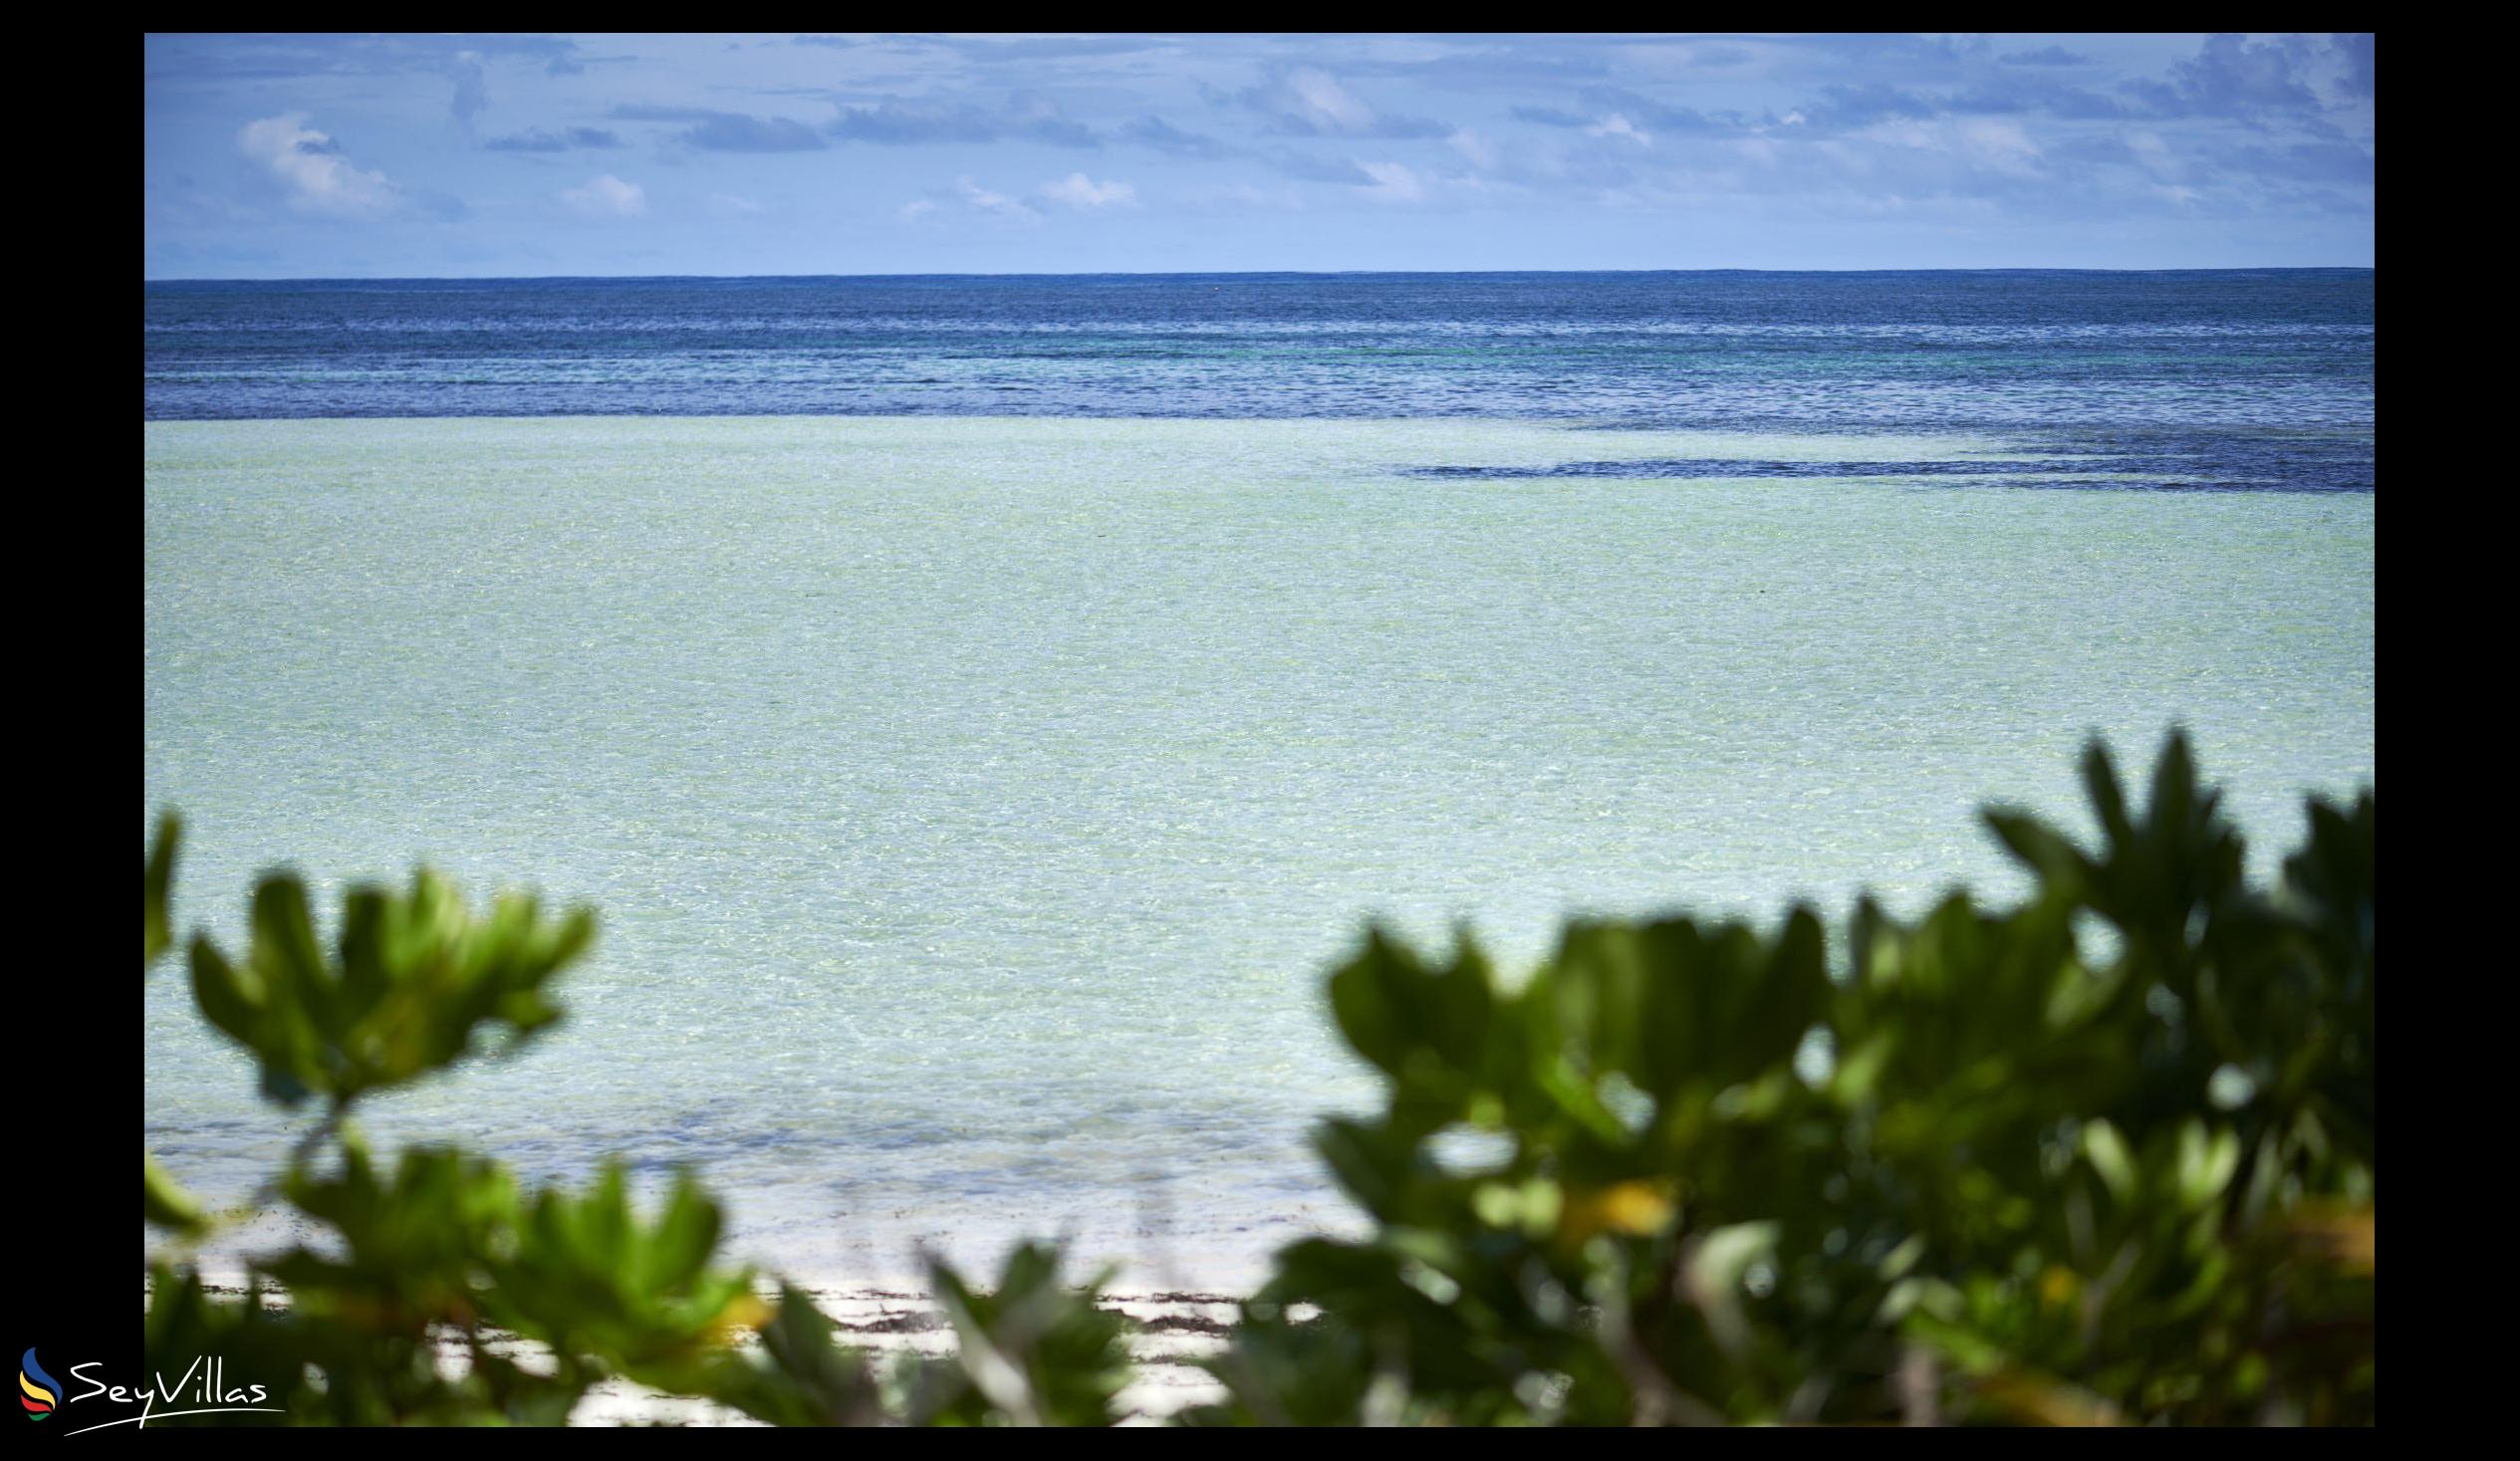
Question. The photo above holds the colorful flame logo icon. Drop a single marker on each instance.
(39, 1391)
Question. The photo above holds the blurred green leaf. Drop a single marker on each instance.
(2103, 1157)
(2042, 1164)
(156, 876)
(1028, 1350)
(414, 981)
(166, 1204)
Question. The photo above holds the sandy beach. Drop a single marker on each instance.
(1175, 1330)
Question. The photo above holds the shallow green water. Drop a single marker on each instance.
(974, 805)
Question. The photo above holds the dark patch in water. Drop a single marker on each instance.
(1731, 467)
(2162, 461)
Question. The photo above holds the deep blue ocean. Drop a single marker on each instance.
(2240, 379)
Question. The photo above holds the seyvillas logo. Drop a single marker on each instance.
(37, 1391)
(204, 1384)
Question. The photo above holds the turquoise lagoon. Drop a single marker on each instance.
(974, 806)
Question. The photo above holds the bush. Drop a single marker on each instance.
(437, 1265)
(1991, 1169)
(2103, 1157)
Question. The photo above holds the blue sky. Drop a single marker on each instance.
(467, 155)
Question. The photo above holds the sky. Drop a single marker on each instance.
(470, 155)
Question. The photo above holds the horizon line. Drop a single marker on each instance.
(1238, 274)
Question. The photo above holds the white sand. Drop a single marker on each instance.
(1175, 1329)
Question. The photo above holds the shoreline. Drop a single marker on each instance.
(1172, 1330)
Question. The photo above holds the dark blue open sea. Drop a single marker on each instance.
(2236, 379)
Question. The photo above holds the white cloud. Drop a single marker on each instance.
(1481, 153)
(1012, 209)
(1317, 97)
(728, 206)
(1617, 124)
(1080, 191)
(318, 178)
(1393, 182)
(2155, 154)
(916, 209)
(1985, 145)
(606, 196)
(2002, 145)
(1990, 145)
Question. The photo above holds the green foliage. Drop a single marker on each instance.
(1994, 1171)
(1029, 1351)
(2104, 1156)
(156, 876)
(587, 1276)
(412, 1307)
(166, 1204)
(412, 980)
(800, 1376)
